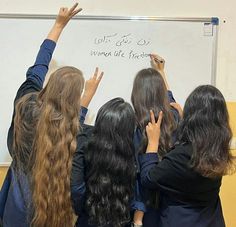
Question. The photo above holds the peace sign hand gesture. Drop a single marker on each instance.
(66, 14)
(153, 130)
(90, 87)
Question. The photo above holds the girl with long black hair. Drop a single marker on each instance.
(109, 167)
(189, 176)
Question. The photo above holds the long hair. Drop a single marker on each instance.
(54, 145)
(150, 93)
(25, 123)
(205, 125)
(110, 166)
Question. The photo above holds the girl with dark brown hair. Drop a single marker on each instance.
(151, 92)
(42, 139)
(189, 176)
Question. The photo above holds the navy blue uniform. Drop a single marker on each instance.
(186, 197)
(15, 196)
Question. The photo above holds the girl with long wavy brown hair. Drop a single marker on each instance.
(151, 92)
(42, 138)
(54, 146)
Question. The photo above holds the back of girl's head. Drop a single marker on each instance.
(54, 145)
(63, 89)
(150, 93)
(110, 165)
(206, 126)
(115, 117)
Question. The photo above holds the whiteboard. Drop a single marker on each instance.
(119, 46)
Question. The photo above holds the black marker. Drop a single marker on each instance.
(157, 60)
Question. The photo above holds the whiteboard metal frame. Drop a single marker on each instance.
(92, 17)
(212, 20)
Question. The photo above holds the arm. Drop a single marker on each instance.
(90, 88)
(35, 75)
(158, 63)
(83, 113)
(78, 169)
(150, 159)
(138, 218)
(39, 70)
(177, 107)
(164, 174)
(138, 204)
(153, 134)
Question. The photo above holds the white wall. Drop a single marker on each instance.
(225, 10)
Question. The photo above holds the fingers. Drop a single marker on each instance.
(70, 12)
(76, 11)
(153, 121)
(157, 58)
(95, 75)
(61, 10)
(173, 104)
(152, 59)
(148, 126)
(100, 76)
(73, 7)
(152, 116)
(160, 116)
(176, 106)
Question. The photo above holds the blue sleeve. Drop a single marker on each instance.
(38, 71)
(138, 202)
(173, 110)
(4, 192)
(170, 96)
(78, 197)
(83, 113)
(34, 80)
(147, 162)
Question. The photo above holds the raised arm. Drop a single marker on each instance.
(38, 71)
(90, 88)
(36, 74)
(158, 63)
(156, 174)
(150, 159)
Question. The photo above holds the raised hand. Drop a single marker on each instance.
(66, 14)
(62, 19)
(90, 87)
(153, 130)
(157, 62)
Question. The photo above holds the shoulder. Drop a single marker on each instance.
(183, 148)
(180, 153)
(84, 134)
(29, 86)
(85, 130)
